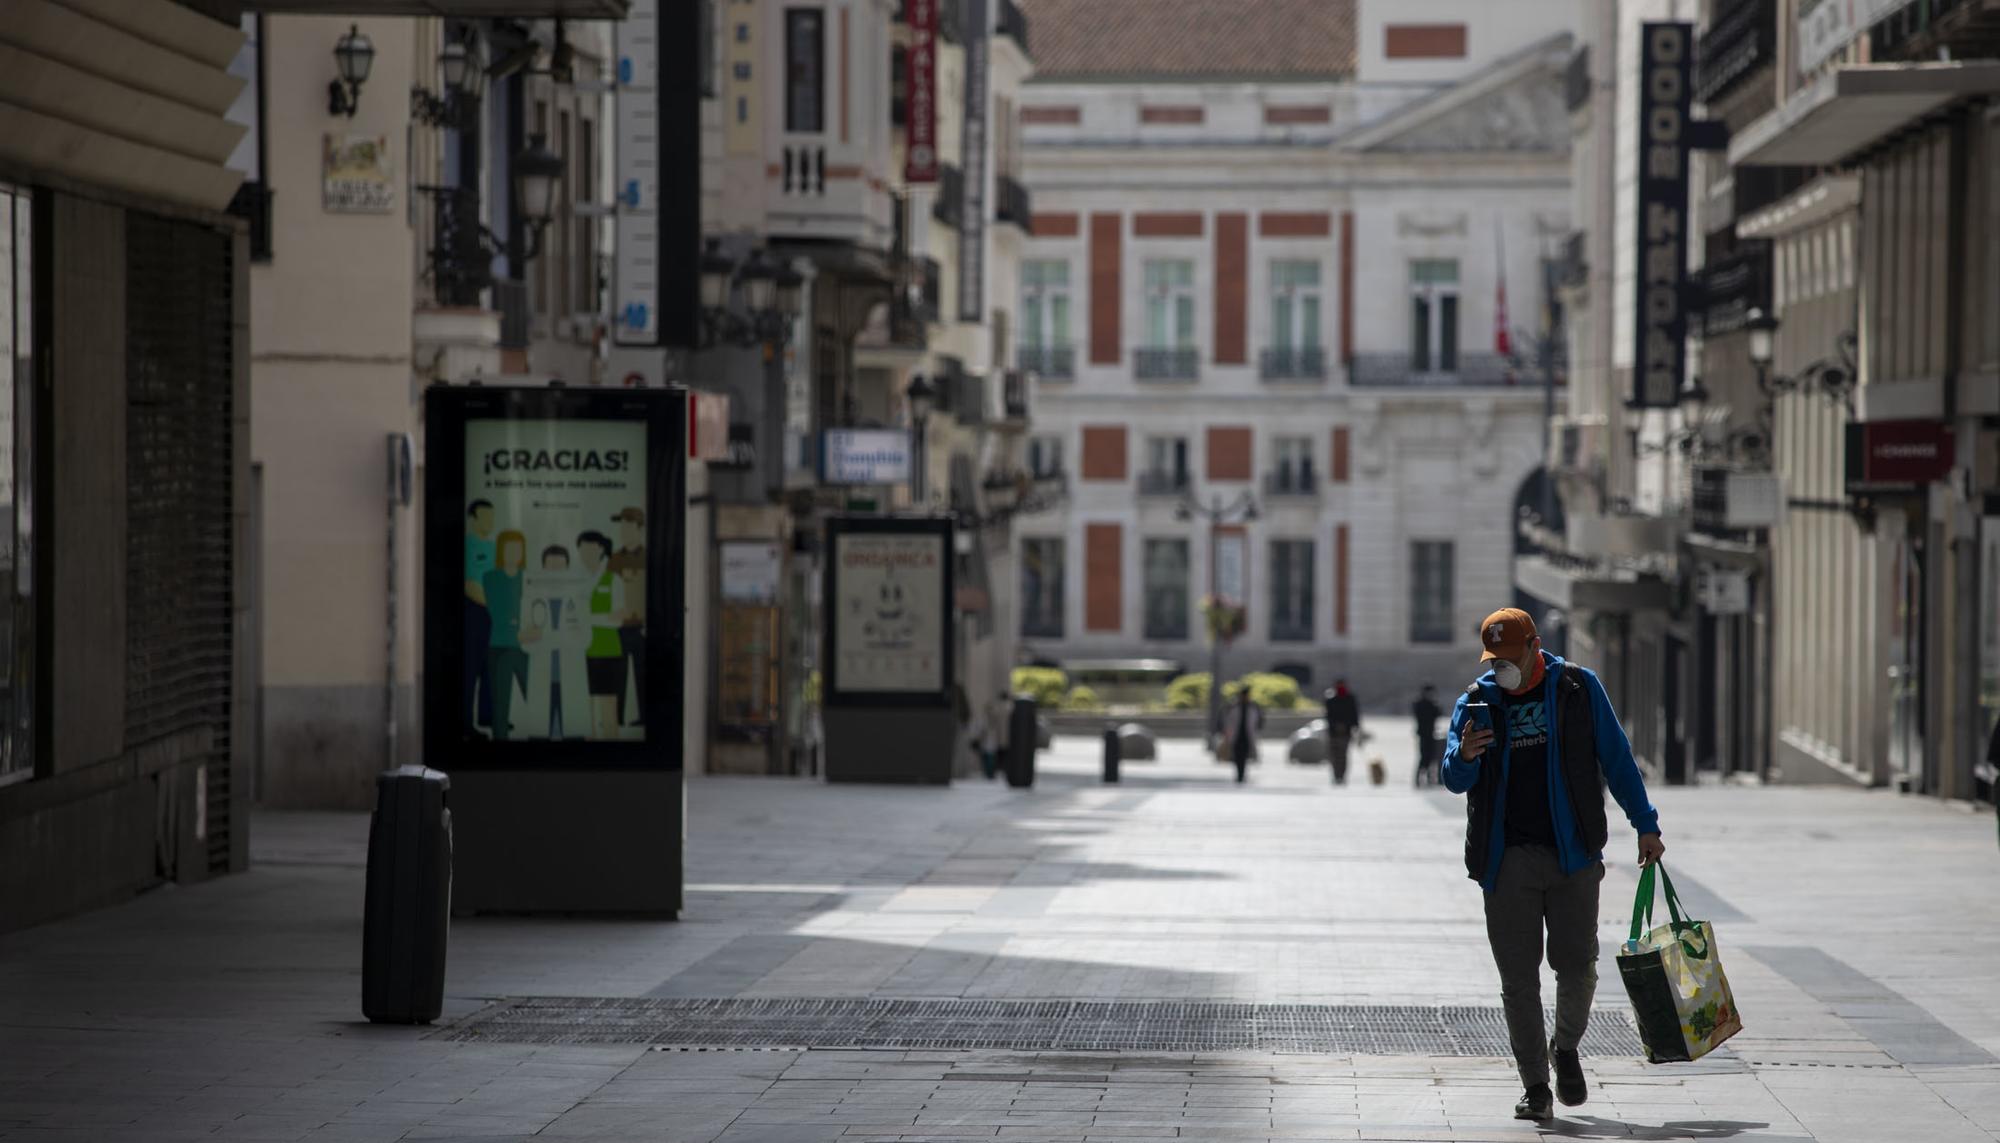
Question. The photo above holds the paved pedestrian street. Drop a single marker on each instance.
(1171, 957)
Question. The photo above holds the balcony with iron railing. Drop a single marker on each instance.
(1938, 29)
(1050, 362)
(1291, 482)
(1399, 370)
(1015, 205)
(510, 299)
(1293, 363)
(1014, 396)
(1163, 483)
(1182, 364)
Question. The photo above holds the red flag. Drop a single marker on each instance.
(1503, 341)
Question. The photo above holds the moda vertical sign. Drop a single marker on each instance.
(921, 163)
(635, 280)
(972, 221)
(1659, 357)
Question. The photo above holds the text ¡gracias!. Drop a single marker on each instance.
(556, 460)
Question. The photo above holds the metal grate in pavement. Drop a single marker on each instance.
(1030, 1025)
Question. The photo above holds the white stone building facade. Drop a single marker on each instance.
(1285, 291)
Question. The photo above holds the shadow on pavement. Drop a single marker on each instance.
(1597, 1127)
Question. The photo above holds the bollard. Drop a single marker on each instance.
(1021, 743)
(406, 906)
(1111, 753)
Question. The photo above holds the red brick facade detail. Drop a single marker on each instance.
(1294, 224)
(1338, 467)
(1301, 113)
(1229, 452)
(1104, 452)
(1158, 114)
(1162, 225)
(1424, 41)
(1056, 225)
(1103, 577)
(1106, 264)
(1340, 579)
(1057, 116)
(1232, 288)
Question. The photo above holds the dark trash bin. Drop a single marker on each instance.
(1021, 743)
(1111, 753)
(407, 911)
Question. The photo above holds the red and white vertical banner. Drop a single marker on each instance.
(1503, 340)
(921, 163)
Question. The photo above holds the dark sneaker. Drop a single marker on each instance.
(1570, 1084)
(1536, 1103)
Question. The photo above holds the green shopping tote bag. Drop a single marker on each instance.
(1673, 973)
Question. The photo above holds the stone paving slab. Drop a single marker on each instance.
(230, 1009)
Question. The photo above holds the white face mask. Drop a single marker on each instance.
(1507, 675)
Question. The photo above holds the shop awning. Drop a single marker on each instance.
(1853, 108)
(1575, 587)
(461, 9)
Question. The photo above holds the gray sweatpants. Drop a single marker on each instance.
(1533, 897)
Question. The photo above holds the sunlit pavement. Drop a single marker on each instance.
(1859, 930)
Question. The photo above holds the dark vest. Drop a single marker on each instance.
(1583, 778)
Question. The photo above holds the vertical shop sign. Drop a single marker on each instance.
(1659, 357)
(972, 221)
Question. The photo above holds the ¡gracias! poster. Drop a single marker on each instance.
(888, 627)
(555, 580)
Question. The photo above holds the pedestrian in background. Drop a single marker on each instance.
(1426, 711)
(1535, 834)
(1343, 719)
(1242, 723)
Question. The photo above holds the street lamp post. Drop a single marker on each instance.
(1219, 514)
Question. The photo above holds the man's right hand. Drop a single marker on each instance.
(1474, 742)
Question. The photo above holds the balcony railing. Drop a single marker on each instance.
(1052, 362)
(1163, 483)
(1739, 40)
(1931, 29)
(1291, 483)
(1015, 205)
(1014, 395)
(1398, 370)
(461, 257)
(1013, 23)
(1166, 364)
(1293, 363)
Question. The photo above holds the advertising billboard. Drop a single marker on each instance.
(888, 613)
(554, 576)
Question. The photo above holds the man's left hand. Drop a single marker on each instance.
(1651, 848)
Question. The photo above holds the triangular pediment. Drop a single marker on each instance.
(1517, 104)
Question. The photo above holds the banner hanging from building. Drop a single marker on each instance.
(920, 80)
(555, 579)
(1659, 355)
(972, 218)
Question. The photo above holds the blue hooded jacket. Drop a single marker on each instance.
(1614, 761)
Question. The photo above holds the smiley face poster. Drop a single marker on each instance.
(889, 613)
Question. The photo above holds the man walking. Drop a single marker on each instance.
(1535, 835)
(1343, 718)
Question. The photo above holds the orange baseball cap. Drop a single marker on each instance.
(1506, 634)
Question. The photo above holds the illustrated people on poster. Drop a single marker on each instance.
(630, 564)
(604, 658)
(554, 624)
(476, 694)
(506, 662)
